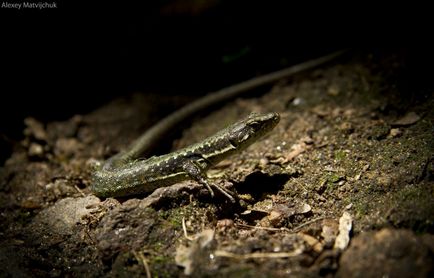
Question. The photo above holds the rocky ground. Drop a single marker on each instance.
(351, 159)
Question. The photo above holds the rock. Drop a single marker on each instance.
(197, 253)
(395, 132)
(64, 215)
(131, 226)
(35, 150)
(67, 147)
(345, 227)
(408, 119)
(387, 253)
(35, 128)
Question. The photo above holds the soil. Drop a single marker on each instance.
(353, 141)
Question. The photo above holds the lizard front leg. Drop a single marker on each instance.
(192, 168)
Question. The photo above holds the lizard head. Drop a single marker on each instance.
(247, 131)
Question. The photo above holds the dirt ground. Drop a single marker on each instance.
(351, 159)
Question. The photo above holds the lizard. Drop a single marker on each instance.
(127, 174)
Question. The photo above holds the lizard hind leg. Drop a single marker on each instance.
(218, 187)
(224, 192)
(196, 173)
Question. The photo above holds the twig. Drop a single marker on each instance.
(296, 229)
(140, 258)
(263, 228)
(222, 253)
(283, 229)
(79, 190)
(184, 228)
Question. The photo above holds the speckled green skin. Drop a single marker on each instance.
(144, 176)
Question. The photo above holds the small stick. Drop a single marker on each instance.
(184, 228)
(222, 253)
(140, 258)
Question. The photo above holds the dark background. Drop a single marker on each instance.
(60, 62)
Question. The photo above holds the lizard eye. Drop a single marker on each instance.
(255, 125)
(245, 137)
(240, 134)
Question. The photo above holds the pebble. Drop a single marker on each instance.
(35, 150)
(408, 119)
